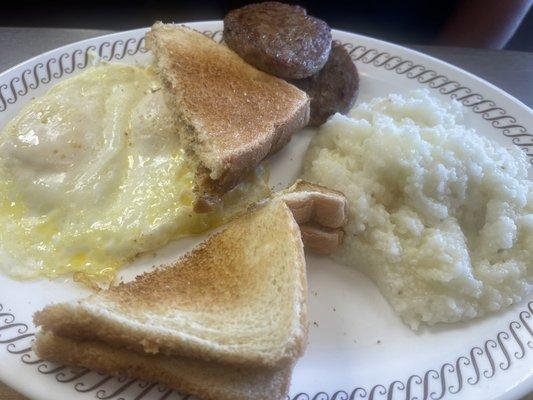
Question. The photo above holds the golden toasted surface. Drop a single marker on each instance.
(217, 275)
(229, 115)
(228, 99)
(239, 298)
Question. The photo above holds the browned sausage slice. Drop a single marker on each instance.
(279, 39)
(334, 88)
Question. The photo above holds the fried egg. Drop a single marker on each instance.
(92, 174)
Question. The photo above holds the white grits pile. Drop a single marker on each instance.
(440, 217)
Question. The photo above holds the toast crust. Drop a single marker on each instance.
(230, 116)
(312, 202)
(321, 213)
(206, 380)
(215, 281)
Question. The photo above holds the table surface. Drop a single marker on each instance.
(512, 71)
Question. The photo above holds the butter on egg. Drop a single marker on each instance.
(92, 174)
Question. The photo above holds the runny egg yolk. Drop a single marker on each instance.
(92, 174)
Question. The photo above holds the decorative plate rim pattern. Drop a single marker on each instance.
(55, 68)
(450, 378)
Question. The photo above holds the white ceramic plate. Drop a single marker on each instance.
(358, 348)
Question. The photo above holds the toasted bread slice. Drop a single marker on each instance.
(208, 381)
(238, 298)
(321, 213)
(312, 202)
(320, 239)
(230, 116)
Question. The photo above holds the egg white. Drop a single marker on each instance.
(92, 173)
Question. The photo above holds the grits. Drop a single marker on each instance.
(440, 217)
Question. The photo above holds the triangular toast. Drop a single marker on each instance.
(209, 381)
(229, 115)
(239, 298)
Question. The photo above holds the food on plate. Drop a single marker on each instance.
(233, 310)
(321, 213)
(320, 239)
(237, 298)
(278, 38)
(334, 88)
(230, 115)
(93, 174)
(283, 40)
(207, 380)
(440, 217)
